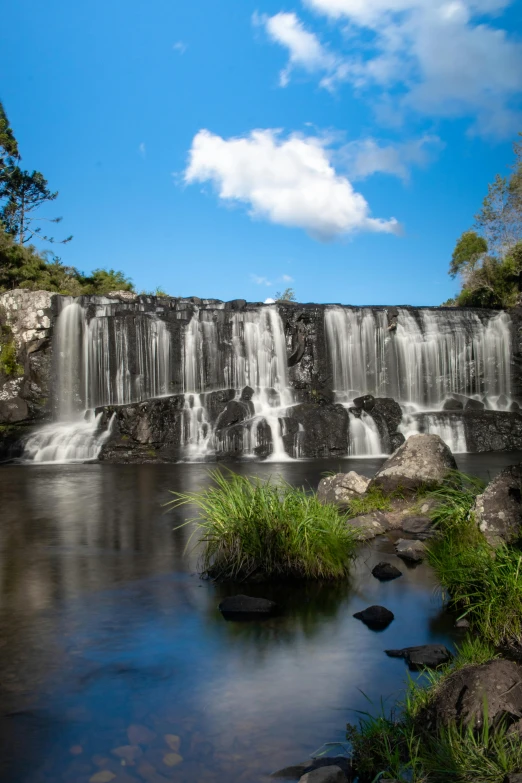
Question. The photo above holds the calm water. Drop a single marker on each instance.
(104, 625)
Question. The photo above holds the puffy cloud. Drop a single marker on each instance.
(368, 156)
(304, 48)
(288, 181)
(438, 57)
(269, 300)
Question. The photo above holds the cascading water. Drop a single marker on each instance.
(101, 361)
(425, 356)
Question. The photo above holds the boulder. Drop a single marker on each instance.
(419, 526)
(411, 549)
(474, 405)
(330, 774)
(387, 414)
(426, 655)
(370, 525)
(502, 402)
(236, 412)
(514, 407)
(452, 404)
(247, 394)
(375, 617)
(461, 697)
(385, 572)
(498, 511)
(366, 402)
(423, 460)
(313, 430)
(341, 488)
(235, 605)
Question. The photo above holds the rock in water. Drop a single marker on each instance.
(461, 697)
(369, 526)
(426, 655)
(366, 402)
(244, 605)
(385, 572)
(330, 774)
(423, 460)
(375, 617)
(412, 550)
(342, 488)
(451, 404)
(498, 511)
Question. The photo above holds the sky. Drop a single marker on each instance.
(232, 149)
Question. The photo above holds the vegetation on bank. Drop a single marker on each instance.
(253, 528)
(488, 257)
(395, 745)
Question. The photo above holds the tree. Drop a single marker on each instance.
(488, 259)
(8, 144)
(288, 295)
(25, 193)
(103, 281)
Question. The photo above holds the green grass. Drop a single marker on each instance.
(373, 500)
(394, 745)
(249, 527)
(482, 584)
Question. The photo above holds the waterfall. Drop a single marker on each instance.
(364, 438)
(105, 360)
(449, 428)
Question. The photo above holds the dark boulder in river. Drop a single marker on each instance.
(244, 605)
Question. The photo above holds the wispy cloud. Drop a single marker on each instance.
(287, 279)
(180, 47)
(260, 280)
(142, 150)
(369, 156)
(288, 180)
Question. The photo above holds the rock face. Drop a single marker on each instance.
(422, 460)
(426, 655)
(498, 511)
(312, 430)
(387, 414)
(461, 697)
(342, 488)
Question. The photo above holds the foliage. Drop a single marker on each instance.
(103, 281)
(484, 584)
(8, 144)
(396, 746)
(489, 258)
(250, 527)
(288, 295)
(373, 500)
(9, 365)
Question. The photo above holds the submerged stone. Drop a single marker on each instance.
(385, 572)
(426, 655)
(246, 605)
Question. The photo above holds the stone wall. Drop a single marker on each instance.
(29, 316)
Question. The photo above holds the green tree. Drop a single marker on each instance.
(24, 193)
(288, 295)
(8, 144)
(469, 251)
(103, 281)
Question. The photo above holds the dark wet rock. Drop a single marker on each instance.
(370, 525)
(515, 777)
(411, 550)
(485, 430)
(314, 430)
(419, 526)
(235, 412)
(385, 572)
(342, 488)
(423, 460)
(462, 624)
(498, 511)
(375, 617)
(514, 407)
(474, 405)
(426, 655)
(366, 402)
(329, 774)
(452, 404)
(13, 411)
(296, 771)
(246, 605)
(387, 414)
(461, 697)
(247, 394)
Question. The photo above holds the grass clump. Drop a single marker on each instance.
(396, 746)
(249, 527)
(483, 584)
(373, 500)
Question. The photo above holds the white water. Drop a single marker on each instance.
(101, 361)
(449, 428)
(364, 438)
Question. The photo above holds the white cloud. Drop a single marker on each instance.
(287, 279)
(438, 57)
(180, 46)
(288, 181)
(260, 280)
(304, 48)
(142, 149)
(269, 301)
(367, 157)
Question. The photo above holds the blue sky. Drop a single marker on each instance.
(229, 149)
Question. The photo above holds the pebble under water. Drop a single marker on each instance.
(109, 639)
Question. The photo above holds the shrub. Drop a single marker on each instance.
(250, 527)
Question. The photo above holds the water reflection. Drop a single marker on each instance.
(104, 624)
